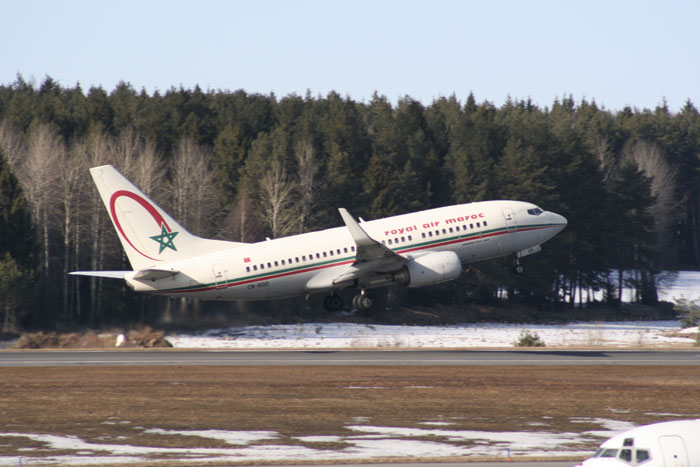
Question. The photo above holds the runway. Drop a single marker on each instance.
(52, 358)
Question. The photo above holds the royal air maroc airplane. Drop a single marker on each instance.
(416, 249)
(665, 444)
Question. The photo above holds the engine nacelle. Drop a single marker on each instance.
(433, 268)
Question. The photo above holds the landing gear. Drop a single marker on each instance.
(362, 302)
(517, 267)
(333, 302)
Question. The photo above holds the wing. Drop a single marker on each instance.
(371, 257)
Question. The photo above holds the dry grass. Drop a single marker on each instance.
(101, 404)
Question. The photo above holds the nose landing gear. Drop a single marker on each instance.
(517, 267)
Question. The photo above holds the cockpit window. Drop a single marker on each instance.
(642, 455)
(626, 455)
(598, 453)
(609, 453)
(628, 442)
(535, 211)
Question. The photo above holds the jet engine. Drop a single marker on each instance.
(432, 268)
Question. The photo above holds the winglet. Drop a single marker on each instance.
(368, 249)
(358, 233)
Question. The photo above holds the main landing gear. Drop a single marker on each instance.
(360, 302)
(333, 302)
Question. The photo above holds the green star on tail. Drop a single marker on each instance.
(165, 239)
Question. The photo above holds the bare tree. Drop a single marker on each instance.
(140, 161)
(308, 167)
(12, 144)
(71, 174)
(241, 222)
(98, 150)
(39, 178)
(664, 178)
(192, 188)
(276, 191)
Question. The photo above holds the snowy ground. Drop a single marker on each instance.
(339, 335)
(434, 439)
(681, 284)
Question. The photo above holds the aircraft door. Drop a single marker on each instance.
(219, 272)
(509, 216)
(674, 452)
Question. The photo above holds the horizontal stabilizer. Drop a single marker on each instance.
(153, 274)
(109, 274)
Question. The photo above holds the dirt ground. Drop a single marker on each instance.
(98, 403)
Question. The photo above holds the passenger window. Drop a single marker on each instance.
(450, 229)
(403, 239)
(352, 248)
(444, 231)
(390, 242)
(276, 264)
(324, 255)
(296, 259)
(338, 251)
(318, 255)
(282, 262)
(410, 238)
(269, 265)
(262, 266)
(247, 269)
(485, 224)
(437, 232)
(642, 455)
(255, 268)
(383, 242)
(331, 252)
(303, 257)
(478, 224)
(457, 228)
(345, 250)
(430, 234)
(423, 234)
(471, 226)
(626, 455)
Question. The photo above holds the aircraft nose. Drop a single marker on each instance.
(558, 220)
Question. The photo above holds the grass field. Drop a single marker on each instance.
(128, 404)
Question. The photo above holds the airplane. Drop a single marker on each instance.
(416, 249)
(664, 444)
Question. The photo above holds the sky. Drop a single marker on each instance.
(619, 53)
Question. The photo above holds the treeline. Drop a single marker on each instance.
(243, 167)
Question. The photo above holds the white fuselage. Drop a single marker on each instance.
(666, 444)
(284, 267)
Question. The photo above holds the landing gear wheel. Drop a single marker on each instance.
(333, 302)
(517, 267)
(362, 302)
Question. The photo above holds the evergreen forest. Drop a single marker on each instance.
(243, 167)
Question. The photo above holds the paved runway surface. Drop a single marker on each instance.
(462, 464)
(349, 357)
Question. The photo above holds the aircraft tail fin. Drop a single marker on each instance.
(149, 235)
